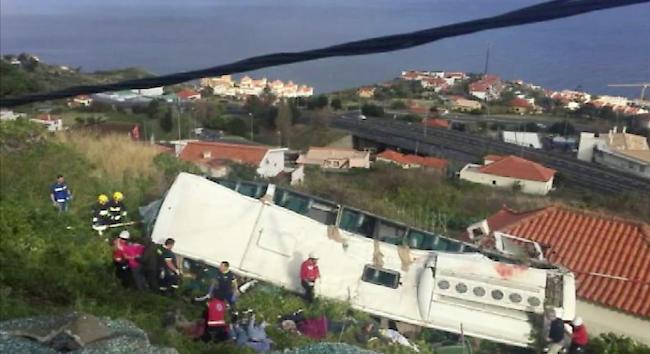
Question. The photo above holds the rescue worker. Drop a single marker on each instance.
(169, 272)
(579, 337)
(100, 211)
(227, 283)
(556, 333)
(151, 264)
(60, 194)
(117, 209)
(309, 273)
(216, 328)
(119, 258)
(133, 253)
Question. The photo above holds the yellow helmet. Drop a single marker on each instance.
(118, 196)
(103, 198)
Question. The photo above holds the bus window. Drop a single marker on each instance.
(379, 276)
(358, 223)
(420, 240)
(291, 201)
(251, 189)
(323, 212)
(390, 233)
(445, 244)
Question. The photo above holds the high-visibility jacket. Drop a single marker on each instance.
(100, 212)
(580, 336)
(116, 210)
(309, 271)
(60, 192)
(216, 316)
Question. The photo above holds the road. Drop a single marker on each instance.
(468, 147)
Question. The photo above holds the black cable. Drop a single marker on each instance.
(532, 14)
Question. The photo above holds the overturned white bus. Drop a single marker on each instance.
(377, 265)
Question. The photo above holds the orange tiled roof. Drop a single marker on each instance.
(403, 159)
(187, 93)
(47, 117)
(516, 167)
(520, 102)
(248, 154)
(610, 256)
(437, 123)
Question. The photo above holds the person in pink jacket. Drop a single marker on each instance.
(132, 252)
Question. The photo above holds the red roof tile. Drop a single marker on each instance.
(610, 256)
(187, 94)
(520, 102)
(47, 117)
(249, 154)
(516, 167)
(403, 159)
(437, 123)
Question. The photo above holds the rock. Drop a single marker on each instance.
(75, 333)
(327, 348)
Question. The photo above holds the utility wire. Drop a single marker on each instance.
(532, 14)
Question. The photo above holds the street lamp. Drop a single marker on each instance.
(251, 117)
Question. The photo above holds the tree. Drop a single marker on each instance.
(372, 110)
(283, 123)
(207, 92)
(154, 109)
(336, 104)
(262, 110)
(237, 126)
(318, 102)
(398, 104)
(615, 344)
(167, 121)
(562, 128)
(204, 110)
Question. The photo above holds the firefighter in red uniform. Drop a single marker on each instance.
(309, 273)
(216, 329)
(579, 338)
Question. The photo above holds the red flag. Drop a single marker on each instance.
(135, 133)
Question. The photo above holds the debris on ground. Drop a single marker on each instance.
(74, 333)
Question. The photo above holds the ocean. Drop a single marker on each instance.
(164, 36)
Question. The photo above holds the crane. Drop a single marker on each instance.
(643, 86)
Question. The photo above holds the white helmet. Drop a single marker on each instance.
(577, 321)
(125, 235)
(313, 255)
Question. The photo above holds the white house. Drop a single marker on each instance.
(9, 115)
(622, 151)
(213, 157)
(154, 91)
(335, 158)
(527, 139)
(508, 171)
(52, 123)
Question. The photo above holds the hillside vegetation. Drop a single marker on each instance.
(34, 76)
